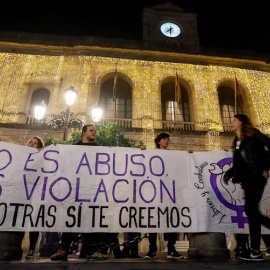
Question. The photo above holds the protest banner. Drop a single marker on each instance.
(71, 188)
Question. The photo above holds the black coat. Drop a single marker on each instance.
(90, 143)
(251, 159)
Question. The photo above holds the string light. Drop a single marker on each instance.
(214, 142)
(86, 74)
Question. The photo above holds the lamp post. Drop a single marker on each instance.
(70, 96)
(51, 243)
(97, 113)
(65, 119)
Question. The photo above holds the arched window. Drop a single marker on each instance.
(123, 106)
(171, 110)
(39, 95)
(226, 96)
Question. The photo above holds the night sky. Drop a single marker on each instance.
(221, 24)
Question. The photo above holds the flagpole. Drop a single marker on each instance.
(114, 113)
(235, 98)
(175, 92)
(175, 95)
(114, 92)
(178, 92)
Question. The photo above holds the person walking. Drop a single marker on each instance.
(162, 141)
(251, 164)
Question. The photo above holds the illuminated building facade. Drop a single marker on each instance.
(39, 67)
(35, 68)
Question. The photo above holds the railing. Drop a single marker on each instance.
(121, 122)
(178, 125)
(227, 128)
(127, 123)
(31, 120)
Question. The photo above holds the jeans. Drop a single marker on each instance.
(253, 194)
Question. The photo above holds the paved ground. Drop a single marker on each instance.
(161, 262)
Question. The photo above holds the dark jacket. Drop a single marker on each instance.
(90, 143)
(251, 159)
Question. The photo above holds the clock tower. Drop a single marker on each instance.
(169, 27)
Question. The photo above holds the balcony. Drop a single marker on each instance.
(31, 120)
(178, 125)
(127, 123)
(227, 128)
(121, 122)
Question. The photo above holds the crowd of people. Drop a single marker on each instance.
(95, 246)
(250, 169)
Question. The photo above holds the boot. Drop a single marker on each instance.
(118, 253)
(126, 251)
(134, 250)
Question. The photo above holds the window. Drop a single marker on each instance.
(227, 112)
(171, 110)
(227, 104)
(39, 95)
(123, 105)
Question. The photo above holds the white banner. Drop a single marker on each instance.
(70, 188)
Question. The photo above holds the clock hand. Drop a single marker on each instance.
(170, 30)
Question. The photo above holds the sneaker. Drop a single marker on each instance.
(174, 255)
(150, 255)
(30, 255)
(97, 256)
(251, 255)
(267, 253)
(60, 255)
(240, 251)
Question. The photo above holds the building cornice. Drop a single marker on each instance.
(35, 44)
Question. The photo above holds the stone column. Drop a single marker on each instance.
(211, 245)
(11, 245)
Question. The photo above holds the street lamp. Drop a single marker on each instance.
(70, 96)
(97, 113)
(40, 110)
(65, 119)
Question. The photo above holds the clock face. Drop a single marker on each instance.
(170, 29)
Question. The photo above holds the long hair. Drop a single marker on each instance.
(40, 142)
(247, 127)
